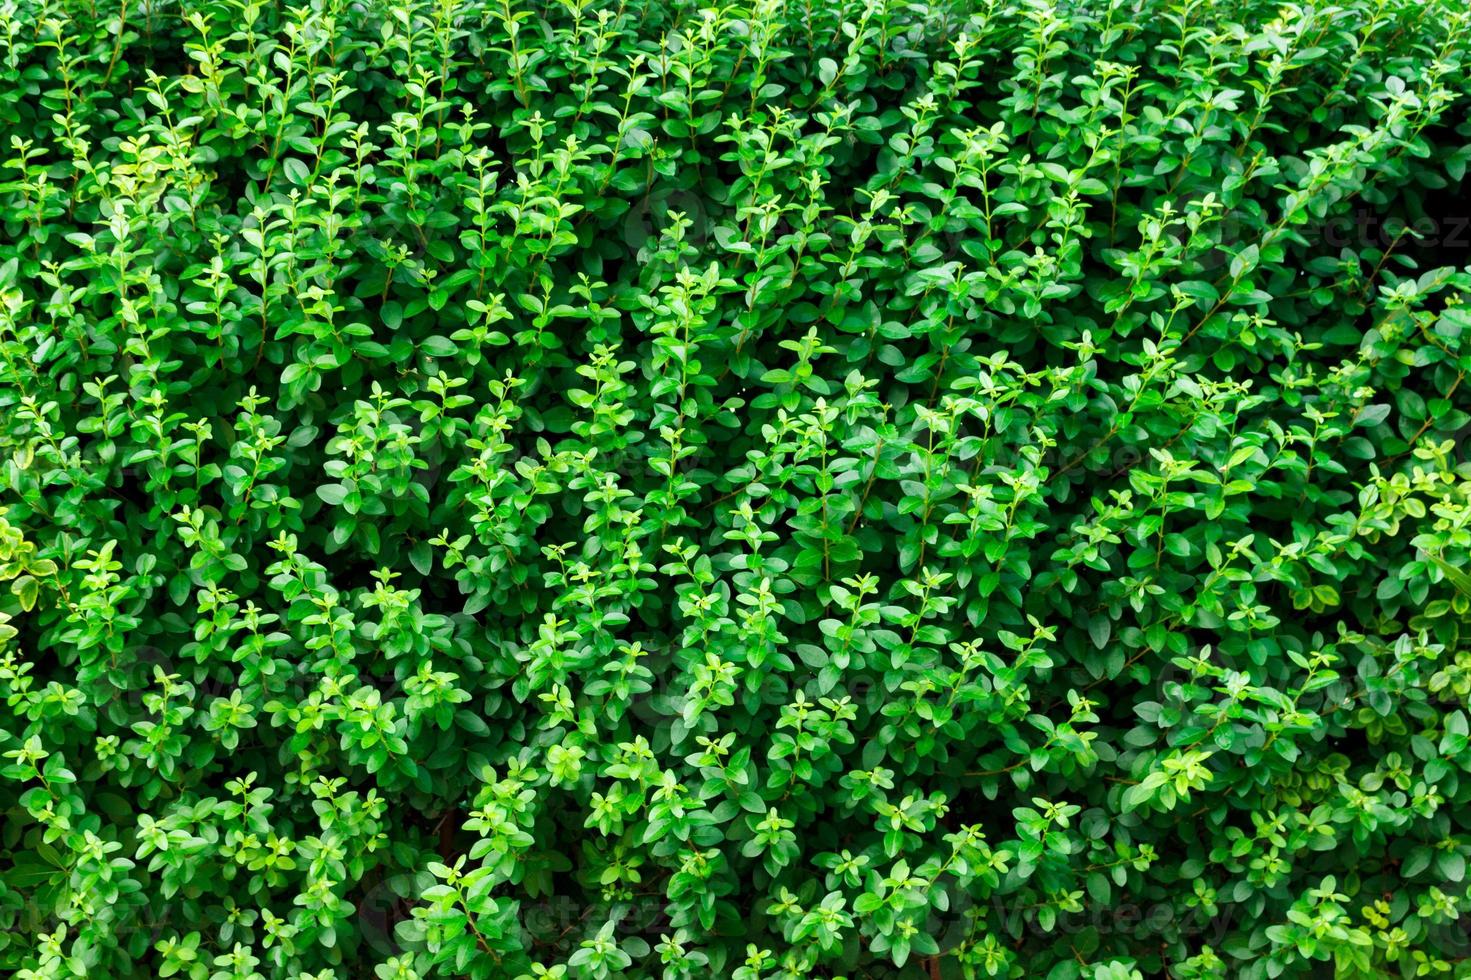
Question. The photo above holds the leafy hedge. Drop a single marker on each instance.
(775, 490)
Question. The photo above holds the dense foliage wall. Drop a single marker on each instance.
(778, 489)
